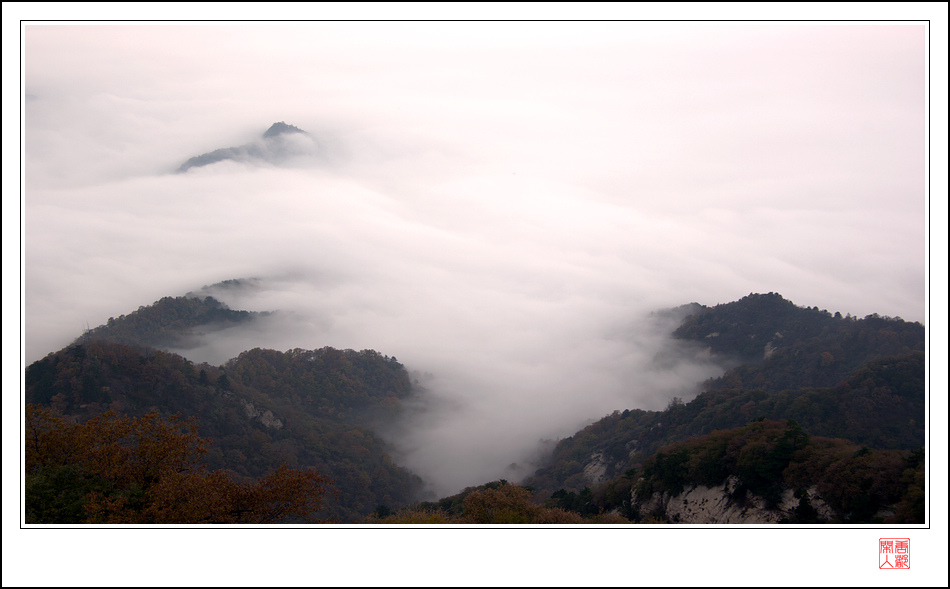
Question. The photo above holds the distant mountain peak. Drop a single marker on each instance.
(280, 128)
(272, 149)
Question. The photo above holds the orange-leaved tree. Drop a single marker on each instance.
(511, 504)
(118, 469)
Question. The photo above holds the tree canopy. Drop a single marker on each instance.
(114, 469)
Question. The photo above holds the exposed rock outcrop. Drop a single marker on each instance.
(266, 417)
(698, 504)
(596, 469)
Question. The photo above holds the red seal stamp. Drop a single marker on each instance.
(894, 553)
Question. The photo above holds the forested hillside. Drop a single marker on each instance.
(782, 346)
(804, 479)
(169, 323)
(821, 415)
(301, 408)
(860, 380)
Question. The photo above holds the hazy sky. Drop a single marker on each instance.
(499, 205)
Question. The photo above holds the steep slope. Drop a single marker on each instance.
(171, 322)
(813, 373)
(781, 346)
(279, 143)
(773, 472)
(859, 379)
(314, 408)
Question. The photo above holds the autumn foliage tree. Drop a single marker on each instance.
(494, 503)
(301, 398)
(114, 469)
(512, 504)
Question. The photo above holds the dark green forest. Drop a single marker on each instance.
(860, 382)
(169, 323)
(813, 400)
(301, 408)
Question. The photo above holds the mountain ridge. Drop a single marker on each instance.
(273, 147)
(321, 408)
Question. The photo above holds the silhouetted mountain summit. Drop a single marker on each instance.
(280, 128)
(276, 145)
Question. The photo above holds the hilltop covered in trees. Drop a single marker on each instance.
(302, 408)
(172, 322)
(857, 381)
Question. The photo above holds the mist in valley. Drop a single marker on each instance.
(503, 208)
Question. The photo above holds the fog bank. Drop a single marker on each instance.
(499, 205)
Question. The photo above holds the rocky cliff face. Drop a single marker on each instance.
(266, 417)
(721, 505)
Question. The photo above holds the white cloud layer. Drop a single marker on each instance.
(500, 205)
